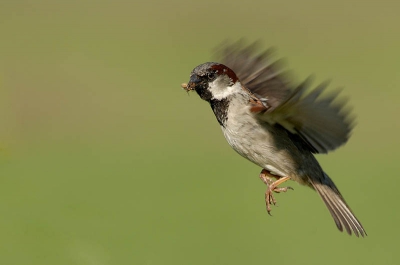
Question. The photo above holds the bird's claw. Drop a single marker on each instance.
(266, 177)
(269, 197)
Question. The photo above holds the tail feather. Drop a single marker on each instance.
(337, 217)
(337, 206)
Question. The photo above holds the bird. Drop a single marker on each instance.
(276, 124)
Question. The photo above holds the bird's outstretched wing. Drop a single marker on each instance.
(322, 121)
(257, 72)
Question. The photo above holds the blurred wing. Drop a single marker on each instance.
(321, 121)
(264, 77)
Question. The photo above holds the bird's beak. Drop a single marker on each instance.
(186, 87)
(192, 83)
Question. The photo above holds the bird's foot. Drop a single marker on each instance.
(267, 178)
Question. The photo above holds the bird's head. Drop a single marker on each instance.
(213, 81)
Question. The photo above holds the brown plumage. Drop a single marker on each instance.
(276, 124)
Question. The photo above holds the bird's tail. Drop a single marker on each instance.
(337, 206)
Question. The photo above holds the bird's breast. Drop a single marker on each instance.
(252, 140)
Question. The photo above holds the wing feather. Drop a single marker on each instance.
(321, 119)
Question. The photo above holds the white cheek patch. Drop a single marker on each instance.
(220, 90)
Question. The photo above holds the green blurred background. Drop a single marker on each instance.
(105, 160)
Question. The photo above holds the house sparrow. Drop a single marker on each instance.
(276, 125)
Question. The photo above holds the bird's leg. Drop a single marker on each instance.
(268, 179)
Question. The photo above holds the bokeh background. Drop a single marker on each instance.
(105, 160)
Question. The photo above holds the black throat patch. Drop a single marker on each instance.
(220, 108)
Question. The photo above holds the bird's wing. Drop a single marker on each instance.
(322, 121)
(257, 72)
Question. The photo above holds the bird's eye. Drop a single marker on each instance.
(211, 75)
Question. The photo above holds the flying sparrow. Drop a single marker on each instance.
(276, 125)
